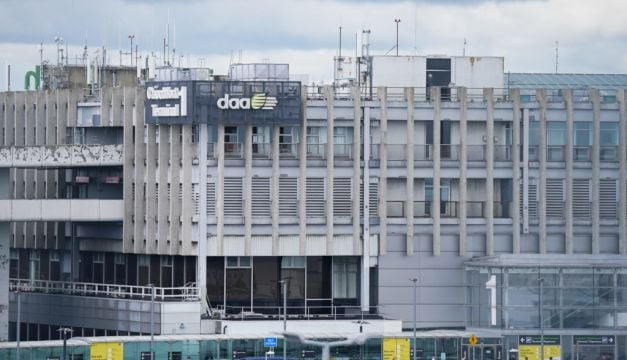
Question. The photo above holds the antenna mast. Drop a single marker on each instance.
(557, 44)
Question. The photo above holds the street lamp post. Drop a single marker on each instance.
(65, 331)
(415, 281)
(284, 286)
(397, 21)
(540, 315)
(152, 319)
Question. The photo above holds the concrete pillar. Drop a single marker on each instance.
(201, 266)
(541, 98)
(19, 121)
(163, 203)
(220, 191)
(248, 177)
(383, 170)
(514, 95)
(117, 94)
(274, 184)
(622, 182)
(357, 244)
(140, 204)
(329, 95)
(28, 126)
(152, 205)
(302, 175)
(595, 97)
(568, 213)
(50, 175)
(175, 194)
(435, 212)
(106, 95)
(40, 175)
(5, 235)
(463, 168)
(409, 155)
(188, 200)
(488, 95)
(127, 172)
(3, 114)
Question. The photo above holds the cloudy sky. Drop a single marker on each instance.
(592, 35)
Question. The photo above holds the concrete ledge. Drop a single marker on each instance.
(61, 210)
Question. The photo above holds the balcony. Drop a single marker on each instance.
(474, 209)
(211, 150)
(555, 153)
(288, 151)
(261, 150)
(582, 153)
(449, 152)
(316, 151)
(422, 152)
(475, 152)
(233, 150)
(422, 209)
(396, 155)
(343, 151)
(448, 209)
(534, 152)
(502, 152)
(395, 209)
(502, 209)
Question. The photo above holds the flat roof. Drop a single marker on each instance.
(564, 81)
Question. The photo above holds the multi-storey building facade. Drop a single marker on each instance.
(214, 194)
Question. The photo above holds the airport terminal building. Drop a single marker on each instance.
(207, 200)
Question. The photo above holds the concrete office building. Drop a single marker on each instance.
(216, 188)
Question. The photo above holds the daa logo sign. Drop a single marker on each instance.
(259, 101)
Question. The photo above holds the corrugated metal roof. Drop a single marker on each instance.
(564, 81)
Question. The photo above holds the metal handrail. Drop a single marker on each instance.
(185, 293)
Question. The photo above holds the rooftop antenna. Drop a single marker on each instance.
(397, 21)
(464, 50)
(174, 42)
(557, 44)
(340, 50)
(365, 43)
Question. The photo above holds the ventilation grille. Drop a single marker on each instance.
(607, 199)
(581, 199)
(555, 198)
(233, 205)
(532, 196)
(260, 197)
(373, 196)
(196, 199)
(315, 197)
(288, 197)
(211, 199)
(342, 204)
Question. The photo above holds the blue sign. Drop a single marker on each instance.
(269, 342)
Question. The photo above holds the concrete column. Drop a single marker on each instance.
(435, 210)
(28, 126)
(201, 265)
(514, 95)
(568, 213)
(541, 98)
(152, 206)
(330, 155)
(220, 191)
(622, 182)
(595, 97)
(248, 176)
(488, 94)
(302, 175)
(18, 174)
(525, 171)
(4, 108)
(5, 235)
(140, 204)
(175, 195)
(383, 170)
(188, 201)
(163, 203)
(357, 244)
(409, 181)
(365, 258)
(274, 184)
(106, 95)
(40, 175)
(127, 173)
(116, 106)
(463, 168)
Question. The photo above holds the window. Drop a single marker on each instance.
(342, 141)
(609, 141)
(261, 140)
(345, 270)
(293, 262)
(288, 139)
(582, 140)
(231, 141)
(446, 206)
(555, 140)
(316, 140)
(238, 262)
(195, 134)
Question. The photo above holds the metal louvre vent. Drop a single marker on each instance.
(581, 199)
(211, 199)
(607, 199)
(196, 199)
(315, 197)
(555, 198)
(233, 204)
(288, 197)
(260, 197)
(373, 196)
(533, 201)
(342, 204)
